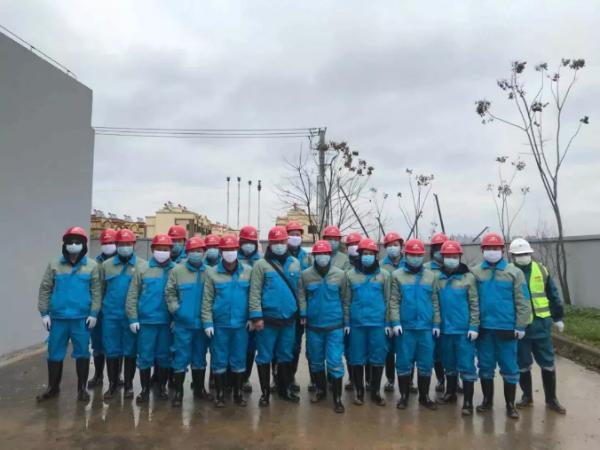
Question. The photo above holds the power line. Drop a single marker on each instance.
(209, 133)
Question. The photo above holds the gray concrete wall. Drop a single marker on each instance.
(46, 163)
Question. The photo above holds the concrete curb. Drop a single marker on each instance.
(582, 353)
(10, 358)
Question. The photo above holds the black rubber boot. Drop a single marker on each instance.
(98, 378)
(312, 387)
(376, 374)
(112, 367)
(404, 388)
(439, 376)
(274, 376)
(336, 390)
(220, 382)
(390, 371)
(424, 400)
(367, 377)
(349, 384)
(264, 378)
(284, 383)
(120, 380)
(459, 387)
(468, 389)
(54, 376)
(527, 389)
(358, 373)
(549, 381)
(228, 381)
(295, 387)
(154, 377)
(211, 380)
(321, 387)
(178, 379)
(451, 386)
(82, 366)
(413, 389)
(145, 381)
(170, 379)
(510, 392)
(247, 386)
(161, 388)
(487, 388)
(200, 391)
(238, 381)
(129, 372)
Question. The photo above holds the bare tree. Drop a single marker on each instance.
(419, 188)
(378, 208)
(502, 193)
(346, 202)
(549, 153)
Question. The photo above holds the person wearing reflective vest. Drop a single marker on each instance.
(459, 312)
(547, 310)
(369, 303)
(274, 311)
(149, 317)
(435, 264)
(415, 321)
(183, 294)
(225, 319)
(504, 311)
(69, 301)
(325, 310)
(392, 243)
(119, 341)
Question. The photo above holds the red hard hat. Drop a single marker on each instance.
(368, 244)
(162, 239)
(194, 243)
(392, 236)
(492, 240)
(294, 225)
(451, 248)
(331, 231)
(438, 238)
(321, 247)
(108, 236)
(278, 233)
(75, 231)
(229, 242)
(212, 240)
(125, 236)
(177, 232)
(353, 238)
(414, 247)
(249, 233)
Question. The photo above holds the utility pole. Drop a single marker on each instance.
(437, 202)
(239, 179)
(249, 201)
(258, 188)
(321, 213)
(228, 182)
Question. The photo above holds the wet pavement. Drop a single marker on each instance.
(65, 423)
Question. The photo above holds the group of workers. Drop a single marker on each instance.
(220, 294)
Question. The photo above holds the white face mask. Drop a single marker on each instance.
(74, 249)
(161, 255)
(522, 260)
(492, 256)
(229, 255)
(294, 241)
(353, 250)
(109, 249)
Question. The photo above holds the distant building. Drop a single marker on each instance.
(298, 214)
(171, 214)
(100, 221)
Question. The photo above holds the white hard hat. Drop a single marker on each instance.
(520, 246)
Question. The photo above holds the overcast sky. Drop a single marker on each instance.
(397, 80)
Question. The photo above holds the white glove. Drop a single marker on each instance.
(249, 326)
(210, 332)
(134, 327)
(91, 322)
(472, 335)
(388, 331)
(560, 326)
(436, 332)
(46, 322)
(397, 330)
(519, 334)
(346, 330)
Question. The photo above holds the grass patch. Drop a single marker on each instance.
(583, 324)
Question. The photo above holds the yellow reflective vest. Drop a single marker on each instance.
(537, 288)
